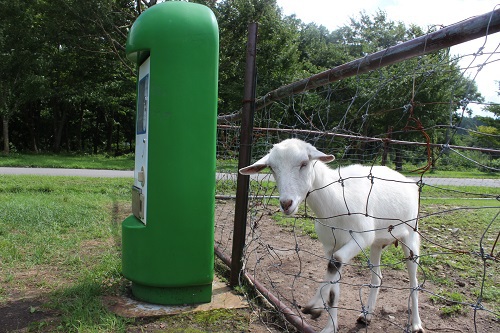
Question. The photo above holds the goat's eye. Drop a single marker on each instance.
(303, 165)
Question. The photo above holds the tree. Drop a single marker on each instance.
(487, 137)
(277, 53)
(494, 108)
(67, 84)
(22, 82)
(427, 88)
(61, 72)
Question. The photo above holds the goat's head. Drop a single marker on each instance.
(291, 162)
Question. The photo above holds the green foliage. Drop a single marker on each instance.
(494, 108)
(66, 75)
(277, 59)
(457, 162)
(226, 187)
(227, 165)
(487, 136)
(67, 85)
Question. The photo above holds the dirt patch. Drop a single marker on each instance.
(19, 315)
(291, 265)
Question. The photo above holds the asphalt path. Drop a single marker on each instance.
(228, 176)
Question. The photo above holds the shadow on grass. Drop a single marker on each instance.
(26, 313)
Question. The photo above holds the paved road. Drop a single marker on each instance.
(461, 181)
(117, 174)
(427, 180)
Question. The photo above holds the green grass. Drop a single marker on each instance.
(454, 233)
(216, 321)
(450, 303)
(473, 173)
(126, 162)
(304, 225)
(100, 161)
(60, 236)
(227, 165)
(60, 239)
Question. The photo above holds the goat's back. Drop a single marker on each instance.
(356, 196)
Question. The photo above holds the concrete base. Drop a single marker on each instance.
(173, 295)
(223, 297)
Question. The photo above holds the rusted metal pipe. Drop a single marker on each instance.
(368, 139)
(291, 317)
(475, 27)
(245, 155)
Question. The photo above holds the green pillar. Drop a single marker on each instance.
(168, 243)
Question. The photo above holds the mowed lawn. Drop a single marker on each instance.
(60, 255)
(60, 242)
(71, 161)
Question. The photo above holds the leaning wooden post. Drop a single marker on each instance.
(245, 155)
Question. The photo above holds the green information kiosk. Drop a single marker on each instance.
(168, 242)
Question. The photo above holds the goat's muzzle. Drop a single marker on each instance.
(285, 206)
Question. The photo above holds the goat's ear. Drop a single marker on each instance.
(256, 167)
(315, 154)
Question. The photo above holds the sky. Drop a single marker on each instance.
(334, 13)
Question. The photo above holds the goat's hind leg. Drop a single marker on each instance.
(366, 316)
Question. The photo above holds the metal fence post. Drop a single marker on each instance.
(245, 155)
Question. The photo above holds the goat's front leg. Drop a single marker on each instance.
(328, 294)
(376, 281)
(411, 249)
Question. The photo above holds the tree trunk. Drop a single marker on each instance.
(67, 138)
(386, 146)
(117, 139)
(79, 134)
(5, 131)
(109, 134)
(399, 160)
(385, 153)
(59, 131)
(95, 136)
(32, 129)
(433, 159)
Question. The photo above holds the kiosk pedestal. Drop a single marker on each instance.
(168, 242)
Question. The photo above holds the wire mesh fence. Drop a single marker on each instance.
(412, 116)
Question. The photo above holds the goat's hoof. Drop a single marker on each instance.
(330, 330)
(315, 313)
(418, 330)
(362, 319)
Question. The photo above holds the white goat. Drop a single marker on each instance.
(356, 207)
